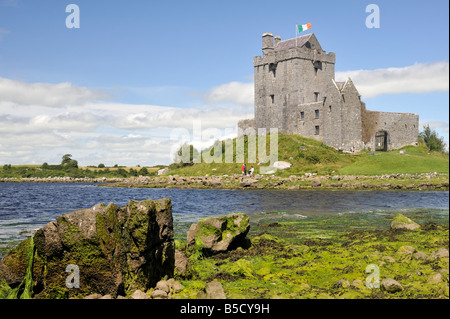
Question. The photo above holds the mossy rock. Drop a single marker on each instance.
(218, 234)
(402, 222)
(117, 249)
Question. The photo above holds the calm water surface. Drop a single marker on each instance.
(25, 207)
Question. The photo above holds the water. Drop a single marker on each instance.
(25, 207)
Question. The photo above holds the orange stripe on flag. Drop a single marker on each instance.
(308, 25)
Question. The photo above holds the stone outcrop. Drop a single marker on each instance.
(115, 249)
(218, 234)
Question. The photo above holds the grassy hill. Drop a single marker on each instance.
(311, 156)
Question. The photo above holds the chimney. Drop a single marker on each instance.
(277, 40)
(267, 43)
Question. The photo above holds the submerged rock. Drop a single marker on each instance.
(113, 249)
(218, 234)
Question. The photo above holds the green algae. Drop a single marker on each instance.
(25, 289)
(326, 257)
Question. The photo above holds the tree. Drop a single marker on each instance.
(186, 155)
(143, 171)
(68, 162)
(432, 140)
(101, 165)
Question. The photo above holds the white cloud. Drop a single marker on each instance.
(47, 94)
(234, 92)
(417, 78)
(436, 125)
(41, 121)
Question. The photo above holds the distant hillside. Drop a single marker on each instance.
(311, 156)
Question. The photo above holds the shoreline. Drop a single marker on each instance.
(414, 182)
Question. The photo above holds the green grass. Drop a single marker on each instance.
(416, 160)
(311, 156)
(306, 156)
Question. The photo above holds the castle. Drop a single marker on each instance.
(296, 92)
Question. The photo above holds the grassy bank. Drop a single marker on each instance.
(311, 156)
(326, 257)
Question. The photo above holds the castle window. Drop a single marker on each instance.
(272, 98)
(302, 115)
(329, 108)
(315, 71)
(316, 96)
(317, 113)
(324, 100)
(273, 69)
(317, 130)
(343, 98)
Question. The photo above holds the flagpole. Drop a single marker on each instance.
(296, 33)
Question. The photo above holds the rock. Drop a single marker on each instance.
(442, 253)
(175, 286)
(282, 165)
(115, 248)
(357, 283)
(214, 290)
(159, 294)
(421, 256)
(247, 182)
(93, 296)
(316, 183)
(388, 259)
(163, 285)
(435, 278)
(108, 296)
(181, 263)
(215, 183)
(163, 171)
(342, 283)
(390, 285)
(139, 294)
(191, 235)
(218, 234)
(403, 222)
(406, 250)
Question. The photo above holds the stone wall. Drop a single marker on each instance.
(401, 128)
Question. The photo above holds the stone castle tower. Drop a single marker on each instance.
(296, 92)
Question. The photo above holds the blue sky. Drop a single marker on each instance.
(134, 70)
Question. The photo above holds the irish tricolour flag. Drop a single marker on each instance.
(304, 27)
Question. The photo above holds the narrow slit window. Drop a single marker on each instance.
(317, 130)
(316, 96)
(317, 113)
(272, 98)
(302, 115)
